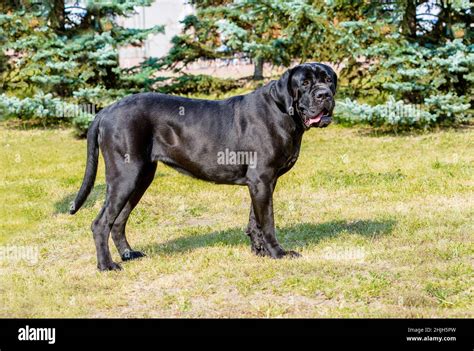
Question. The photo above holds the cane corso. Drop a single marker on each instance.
(189, 135)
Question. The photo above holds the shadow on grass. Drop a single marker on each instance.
(291, 237)
(63, 205)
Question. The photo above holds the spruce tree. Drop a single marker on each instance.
(55, 50)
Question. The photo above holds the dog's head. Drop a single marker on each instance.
(307, 91)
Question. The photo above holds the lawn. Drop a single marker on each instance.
(384, 224)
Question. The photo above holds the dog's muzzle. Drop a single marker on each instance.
(321, 120)
(320, 114)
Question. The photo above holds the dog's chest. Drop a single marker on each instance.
(290, 162)
(289, 152)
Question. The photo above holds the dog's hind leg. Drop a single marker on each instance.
(118, 228)
(122, 181)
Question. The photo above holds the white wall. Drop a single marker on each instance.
(162, 12)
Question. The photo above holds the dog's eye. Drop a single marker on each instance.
(328, 80)
(306, 83)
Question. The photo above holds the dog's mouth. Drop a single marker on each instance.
(321, 120)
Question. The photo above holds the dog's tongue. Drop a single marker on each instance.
(314, 119)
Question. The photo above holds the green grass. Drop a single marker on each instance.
(384, 224)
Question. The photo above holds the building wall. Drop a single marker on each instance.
(169, 13)
(162, 12)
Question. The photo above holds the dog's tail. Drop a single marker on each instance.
(91, 166)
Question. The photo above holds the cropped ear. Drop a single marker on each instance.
(281, 92)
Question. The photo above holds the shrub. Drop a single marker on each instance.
(425, 86)
(446, 109)
(203, 84)
(46, 108)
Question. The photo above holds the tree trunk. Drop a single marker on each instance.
(409, 20)
(258, 71)
(449, 22)
(57, 15)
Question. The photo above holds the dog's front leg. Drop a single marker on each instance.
(262, 232)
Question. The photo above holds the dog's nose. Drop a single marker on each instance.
(323, 94)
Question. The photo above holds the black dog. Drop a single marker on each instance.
(189, 135)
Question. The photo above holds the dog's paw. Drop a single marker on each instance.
(259, 251)
(110, 266)
(132, 255)
(280, 253)
(291, 254)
